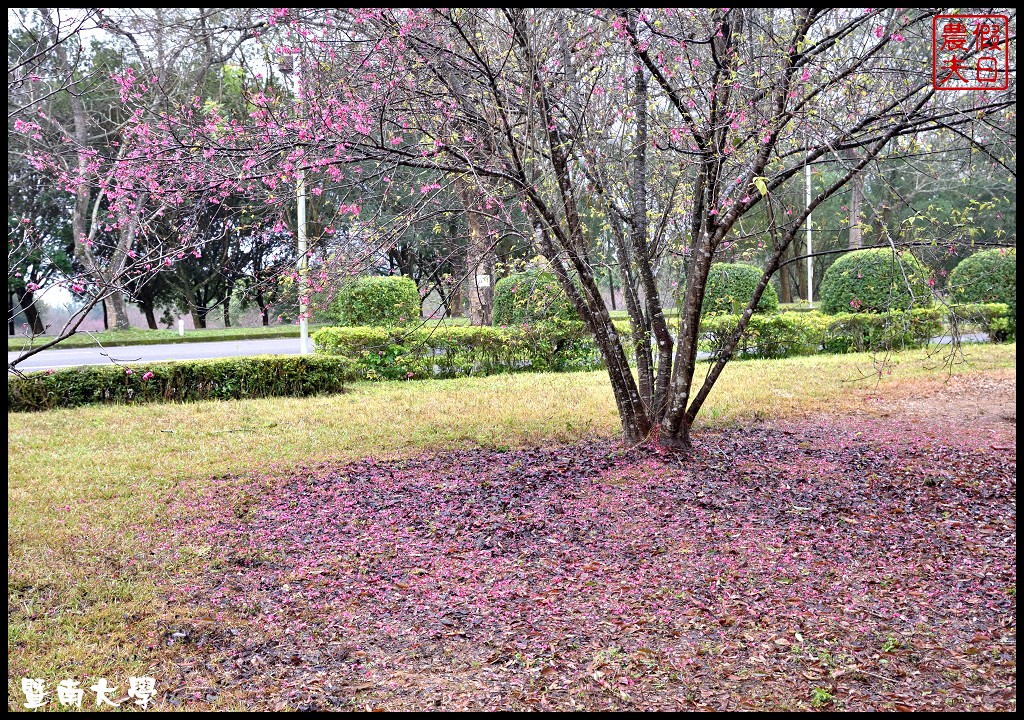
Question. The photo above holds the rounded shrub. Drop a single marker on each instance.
(875, 280)
(730, 287)
(378, 300)
(530, 296)
(989, 276)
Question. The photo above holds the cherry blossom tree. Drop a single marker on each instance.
(655, 120)
(83, 88)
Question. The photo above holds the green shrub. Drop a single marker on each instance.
(787, 334)
(378, 300)
(456, 351)
(531, 296)
(220, 379)
(873, 281)
(730, 287)
(1003, 330)
(767, 336)
(994, 319)
(862, 332)
(989, 276)
(558, 345)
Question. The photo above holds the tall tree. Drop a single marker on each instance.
(76, 104)
(744, 98)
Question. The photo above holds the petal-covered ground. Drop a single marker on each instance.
(840, 563)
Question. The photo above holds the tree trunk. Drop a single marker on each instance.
(227, 309)
(262, 304)
(32, 317)
(408, 258)
(786, 296)
(83, 230)
(454, 292)
(798, 278)
(479, 259)
(586, 298)
(188, 294)
(11, 312)
(635, 245)
(654, 321)
(856, 196)
(106, 318)
(199, 317)
(120, 309)
(455, 301)
(676, 422)
(480, 266)
(147, 308)
(638, 323)
(681, 441)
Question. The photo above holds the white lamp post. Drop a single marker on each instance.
(286, 67)
(810, 248)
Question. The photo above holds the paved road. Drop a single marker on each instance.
(57, 358)
(964, 337)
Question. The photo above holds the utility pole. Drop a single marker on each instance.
(810, 247)
(300, 193)
(287, 68)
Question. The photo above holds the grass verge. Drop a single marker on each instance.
(87, 486)
(137, 336)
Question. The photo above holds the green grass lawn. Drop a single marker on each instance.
(88, 486)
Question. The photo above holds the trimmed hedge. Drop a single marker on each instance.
(531, 296)
(997, 320)
(730, 287)
(457, 351)
(220, 379)
(376, 353)
(378, 300)
(559, 346)
(873, 281)
(767, 336)
(787, 334)
(989, 276)
(862, 332)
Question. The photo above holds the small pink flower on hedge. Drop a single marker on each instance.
(127, 371)
(51, 371)
(408, 375)
(147, 376)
